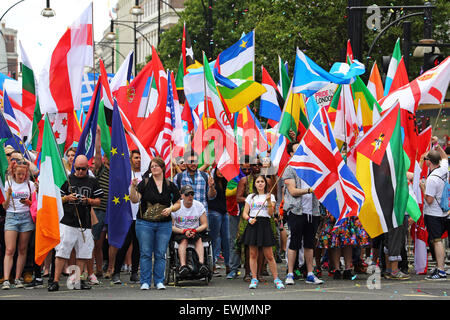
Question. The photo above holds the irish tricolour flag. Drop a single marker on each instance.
(49, 208)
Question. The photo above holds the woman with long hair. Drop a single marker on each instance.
(19, 223)
(259, 208)
(158, 198)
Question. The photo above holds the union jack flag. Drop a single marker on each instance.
(318, 162)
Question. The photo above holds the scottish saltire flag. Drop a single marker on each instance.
(88, 87)
(118, 212)
(86, 145)
(309, 77)
(320, 165)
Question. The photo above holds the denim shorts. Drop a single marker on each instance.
(99, 227)
(19, 221)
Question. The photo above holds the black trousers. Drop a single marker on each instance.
(135, 255)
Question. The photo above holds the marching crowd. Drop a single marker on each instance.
(267, 219)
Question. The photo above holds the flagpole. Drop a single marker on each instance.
(67, 178)
(438, 115)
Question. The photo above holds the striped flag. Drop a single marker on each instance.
(285, 83)
(381, 168)
(319, 163)
(393, 64)
(3, 169)
(271, 100)
(375, 84)
(28, 85)
(49, 208)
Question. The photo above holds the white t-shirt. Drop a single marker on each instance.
(135, 206)
(19, 191)
(256, 203)
(434, 187)
(188, 218)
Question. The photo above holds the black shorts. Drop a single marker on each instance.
(436, 226)
(203, 235)
(303, 230)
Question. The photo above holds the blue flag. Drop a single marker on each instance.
(86, 145)
(118, 212)
(309, 77)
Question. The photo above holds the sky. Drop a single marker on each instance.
(39, 35)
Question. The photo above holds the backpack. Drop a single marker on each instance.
(445, 194)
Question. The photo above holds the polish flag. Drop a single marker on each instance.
(60, 80)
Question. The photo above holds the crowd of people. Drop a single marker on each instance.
(267, 219)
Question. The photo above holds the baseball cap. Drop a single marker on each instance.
(186, 189)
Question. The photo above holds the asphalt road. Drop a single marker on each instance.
(220, 288)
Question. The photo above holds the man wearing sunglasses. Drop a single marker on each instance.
(78, 194)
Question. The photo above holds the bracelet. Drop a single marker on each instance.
(194, 230)
(185, 230)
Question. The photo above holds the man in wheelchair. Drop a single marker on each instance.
(189, 225)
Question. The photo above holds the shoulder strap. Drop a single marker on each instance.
(179, 177)
(205, 176)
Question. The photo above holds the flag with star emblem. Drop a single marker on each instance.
(118, 211)
(381, 166)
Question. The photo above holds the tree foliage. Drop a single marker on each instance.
(319, 28)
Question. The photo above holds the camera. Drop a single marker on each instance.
(80, 198)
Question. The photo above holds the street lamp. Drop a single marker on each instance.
(47, 11)
(136, 10)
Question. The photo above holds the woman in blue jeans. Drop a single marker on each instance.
(218, 221)
(158, 198)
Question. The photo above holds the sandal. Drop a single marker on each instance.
(247, 277)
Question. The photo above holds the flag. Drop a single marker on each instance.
(319, 163)
(61, 77)
(293, 116)
(88, 88)
(309, 77)
(86, 145)
(38, 128)
(149, 131)
(49, 208)
(249, 133)
(238, 60)
(429, 88)
(381, 170)
(393, 64)
(375, 84)
(119, 216)
(28, 85)
(164, 142)
(367, 107)
(271, 100)
(346, 127)
(15, 140)
(237, 94)
(278, 153)
(284, 83)
(400, 78)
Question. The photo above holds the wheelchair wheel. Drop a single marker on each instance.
(168, 269)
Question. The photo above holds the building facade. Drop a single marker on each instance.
(8, 52)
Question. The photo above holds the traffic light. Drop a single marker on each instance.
(431, 60)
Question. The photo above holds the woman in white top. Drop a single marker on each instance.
(18, 223)
(259, 208)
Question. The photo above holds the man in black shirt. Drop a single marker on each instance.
(78, 194)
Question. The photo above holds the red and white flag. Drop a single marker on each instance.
(60, 80)
(430, 87)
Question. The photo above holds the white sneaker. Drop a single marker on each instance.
(6, 285)
(145, 286)
(289, 279)
(18, 283)
(160, 286)
(93, 280)
(312, 279)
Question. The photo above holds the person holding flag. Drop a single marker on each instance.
(79, 193)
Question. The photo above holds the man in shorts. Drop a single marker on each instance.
(434, 217)
(78, 194)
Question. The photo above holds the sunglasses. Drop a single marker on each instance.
(80, 168)
(18, 161)
(187, 194)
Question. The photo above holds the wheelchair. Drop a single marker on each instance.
(173, 263)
